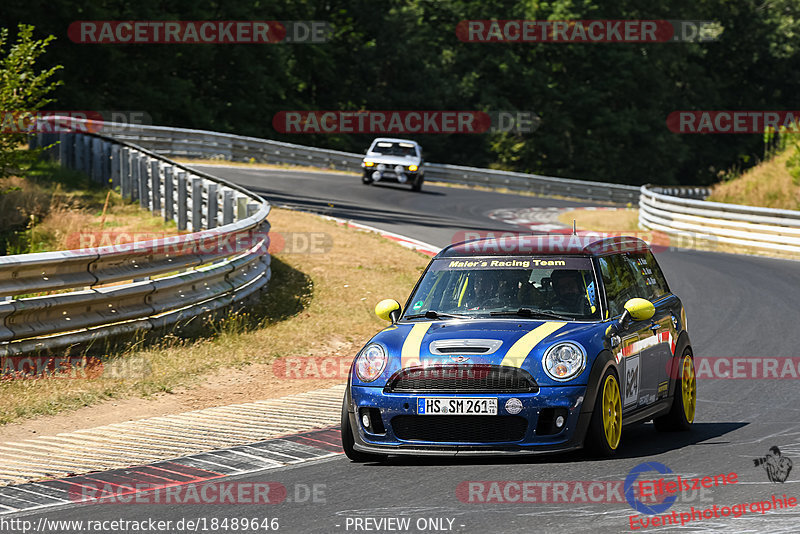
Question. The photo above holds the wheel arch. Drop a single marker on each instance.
(681, 345)
(604, 361)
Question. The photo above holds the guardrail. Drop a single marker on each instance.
(122, 288)
(181, 142)
(700, 222)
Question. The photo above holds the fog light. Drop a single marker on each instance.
(559, 421)
(365, 420)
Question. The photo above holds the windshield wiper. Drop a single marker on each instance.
(432, 314)
(527, 312)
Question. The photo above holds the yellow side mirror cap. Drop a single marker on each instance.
(385, 308)
(640, 309)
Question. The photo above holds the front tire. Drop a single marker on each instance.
(366, 179)
(348, 440)
(416, 186)
(605, 428)
(684, 402)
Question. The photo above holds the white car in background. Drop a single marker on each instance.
(394, 160)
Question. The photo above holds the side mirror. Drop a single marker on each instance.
(638, 310)
(388, 310)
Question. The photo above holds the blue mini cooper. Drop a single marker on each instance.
(530, 344)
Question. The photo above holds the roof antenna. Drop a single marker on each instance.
(574, 227)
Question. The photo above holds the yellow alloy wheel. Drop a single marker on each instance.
(612, 412)
(688, 388)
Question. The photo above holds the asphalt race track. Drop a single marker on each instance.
(737, 306)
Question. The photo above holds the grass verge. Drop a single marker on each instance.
(769, 184)
(620, 220)
(52, 208)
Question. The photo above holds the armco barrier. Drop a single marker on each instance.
(700, 222)
(134, 287)
(181, 142)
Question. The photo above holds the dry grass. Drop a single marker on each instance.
(768, 184)
(67, 228)
(53, 208)
(621, 220)
(316, 304)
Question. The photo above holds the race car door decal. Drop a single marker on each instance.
(630, 382)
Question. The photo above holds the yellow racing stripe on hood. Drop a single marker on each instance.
(409, 355)
(520, 350)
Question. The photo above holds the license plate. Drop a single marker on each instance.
(456, 406)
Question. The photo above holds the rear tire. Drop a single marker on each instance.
(605, 429)
(348, 441)
(684, 402)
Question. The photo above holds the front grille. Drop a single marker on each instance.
(460, 428)
(462, 379)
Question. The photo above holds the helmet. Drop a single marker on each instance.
(566, 274)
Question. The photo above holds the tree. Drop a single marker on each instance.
(23, 90)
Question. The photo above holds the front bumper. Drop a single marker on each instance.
(390, 175)
(568, 400)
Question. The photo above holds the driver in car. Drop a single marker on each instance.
(570, 296)
(485, 287)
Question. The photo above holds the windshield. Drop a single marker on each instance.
(524, 286)
(386, 148)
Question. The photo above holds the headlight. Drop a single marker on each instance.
(564, 361)
(413, 168)
(370, 362)
(369, 163)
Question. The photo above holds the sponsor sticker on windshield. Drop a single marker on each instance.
(454, 264)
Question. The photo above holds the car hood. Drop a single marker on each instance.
(517, 343)
(392, 160)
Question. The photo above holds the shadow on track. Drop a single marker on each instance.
(403, 187)
(640, 441)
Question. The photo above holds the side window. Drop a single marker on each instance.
(649, 277)
(619, 281)
(661, 281)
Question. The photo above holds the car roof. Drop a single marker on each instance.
(392, 140)
(545, 244)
